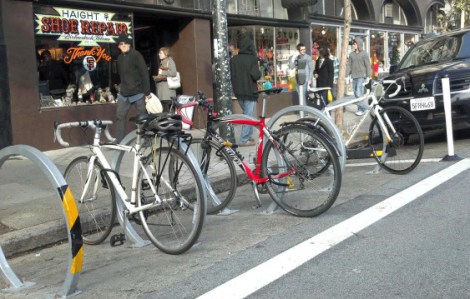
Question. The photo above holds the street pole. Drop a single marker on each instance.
(223, 84)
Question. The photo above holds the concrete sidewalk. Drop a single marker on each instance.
(31, 214)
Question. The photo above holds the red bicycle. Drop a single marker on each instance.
(297, 165)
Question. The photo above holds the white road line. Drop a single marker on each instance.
(375, 163)
(267, 272)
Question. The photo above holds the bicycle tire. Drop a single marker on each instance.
(97, 214)
(307, 192)
(404, 152)
(174, 225)
(218, 171)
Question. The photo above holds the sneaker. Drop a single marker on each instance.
(248, 143)
(360, 112)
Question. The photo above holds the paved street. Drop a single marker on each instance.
(233, 244)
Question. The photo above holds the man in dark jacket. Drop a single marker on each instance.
(245, 73)
(135, 84)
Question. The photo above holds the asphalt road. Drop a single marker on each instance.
(418, 251)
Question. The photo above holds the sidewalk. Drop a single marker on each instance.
(31, 214)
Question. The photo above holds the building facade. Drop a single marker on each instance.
(58, 58)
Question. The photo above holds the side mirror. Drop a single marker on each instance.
(393, 69)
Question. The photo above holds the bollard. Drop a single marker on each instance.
(448, 114)
(74, 231)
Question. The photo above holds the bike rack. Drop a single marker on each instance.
(74, 231)
(332, 129)
(130, 232)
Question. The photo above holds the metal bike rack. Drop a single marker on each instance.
(74, 231)
(130, 232)
(332, 129)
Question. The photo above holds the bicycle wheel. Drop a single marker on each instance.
(218, 171)
(295, 166)
(403, 152)
(97, 210)
(175, 224)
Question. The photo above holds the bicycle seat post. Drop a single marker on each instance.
(263, 111)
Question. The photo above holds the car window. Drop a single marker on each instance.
(433, 51)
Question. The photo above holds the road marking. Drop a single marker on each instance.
(375, 163)
(271, 270)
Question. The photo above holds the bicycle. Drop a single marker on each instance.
(395, 136)
(167, 196)
(297, 165)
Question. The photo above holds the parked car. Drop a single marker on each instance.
(422, 69)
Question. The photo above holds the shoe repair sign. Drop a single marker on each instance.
(85, 26)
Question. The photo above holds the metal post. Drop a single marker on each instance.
(448, 114)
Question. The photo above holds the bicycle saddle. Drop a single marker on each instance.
(270, 91)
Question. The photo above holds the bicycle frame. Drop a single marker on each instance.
(242, 119)
(137, 164)
(373, 106)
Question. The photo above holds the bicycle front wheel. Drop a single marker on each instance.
(218, 171)
(303, 169)
(174, 222)
(402, 153)
(96, 205)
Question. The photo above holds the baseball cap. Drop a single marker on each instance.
(124, 38)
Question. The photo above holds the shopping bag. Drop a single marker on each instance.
(153, 105)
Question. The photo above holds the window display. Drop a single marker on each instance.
(76, 55)
(274, 47)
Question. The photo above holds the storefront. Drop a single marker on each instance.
(61, 61)
(385, 46)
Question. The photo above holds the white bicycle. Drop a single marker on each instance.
(167, 195)
(395, 136)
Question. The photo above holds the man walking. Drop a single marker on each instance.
(359, 70)
(135, 84)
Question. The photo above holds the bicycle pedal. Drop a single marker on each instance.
(117, 239)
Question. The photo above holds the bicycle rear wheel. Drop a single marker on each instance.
(403, 152)
(218, 171)
(299, 182)
(97, 211)
(173, 225)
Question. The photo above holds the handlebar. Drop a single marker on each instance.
(82, 124)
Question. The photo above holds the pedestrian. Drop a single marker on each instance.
(336, 73)
(167, 69)
(135, 84)
(301, 49)
(245, 73)
(324, 72)
(359, 70)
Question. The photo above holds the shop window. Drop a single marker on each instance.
(274, 47)
(76, 55)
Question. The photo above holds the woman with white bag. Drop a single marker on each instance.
(166, 70)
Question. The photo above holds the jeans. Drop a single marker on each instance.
(122, 109)
(358, 88)
(247, 107)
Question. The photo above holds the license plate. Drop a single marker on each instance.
(422, 104)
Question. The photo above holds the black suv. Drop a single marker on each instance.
(423, 67)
